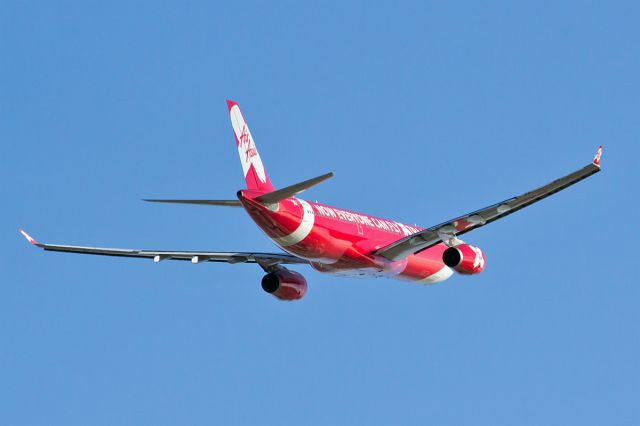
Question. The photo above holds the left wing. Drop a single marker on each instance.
(265, 260)
(449, 230)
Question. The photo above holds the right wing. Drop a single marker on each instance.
(265, 260)
(449, 230)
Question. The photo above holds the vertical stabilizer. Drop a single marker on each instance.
(254, 171)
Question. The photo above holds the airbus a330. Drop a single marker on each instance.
(334, 240)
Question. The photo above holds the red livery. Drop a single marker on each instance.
(338, 241)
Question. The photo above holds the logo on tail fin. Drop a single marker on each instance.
(250, 150)
(246, 146)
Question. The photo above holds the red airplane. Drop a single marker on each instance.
(338, 241)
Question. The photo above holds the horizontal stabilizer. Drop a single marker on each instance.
(291, 191)
(225, 203)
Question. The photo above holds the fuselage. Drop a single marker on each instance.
(342, 242)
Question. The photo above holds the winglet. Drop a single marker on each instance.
(29, 238)
(596, 159)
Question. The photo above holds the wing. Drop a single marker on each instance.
(263, 259)
(450, 229)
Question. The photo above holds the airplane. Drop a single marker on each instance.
(334, 240)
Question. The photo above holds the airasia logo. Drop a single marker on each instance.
(247, 144)
(478, 262)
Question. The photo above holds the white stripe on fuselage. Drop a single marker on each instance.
(301, 232)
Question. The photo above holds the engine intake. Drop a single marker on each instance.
(285, 284)
(464, 259)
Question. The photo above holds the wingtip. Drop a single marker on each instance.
(29, 237)
(596, 159)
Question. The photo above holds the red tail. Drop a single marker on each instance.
(254, 171)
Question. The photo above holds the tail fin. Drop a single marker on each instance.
(254, 172)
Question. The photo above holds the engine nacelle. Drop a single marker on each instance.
(285, 284)
(464, 259)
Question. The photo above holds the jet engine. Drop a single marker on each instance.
(285, 284)
(465, 259)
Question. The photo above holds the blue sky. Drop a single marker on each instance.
(423, 110)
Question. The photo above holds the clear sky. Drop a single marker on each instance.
(423, 110)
